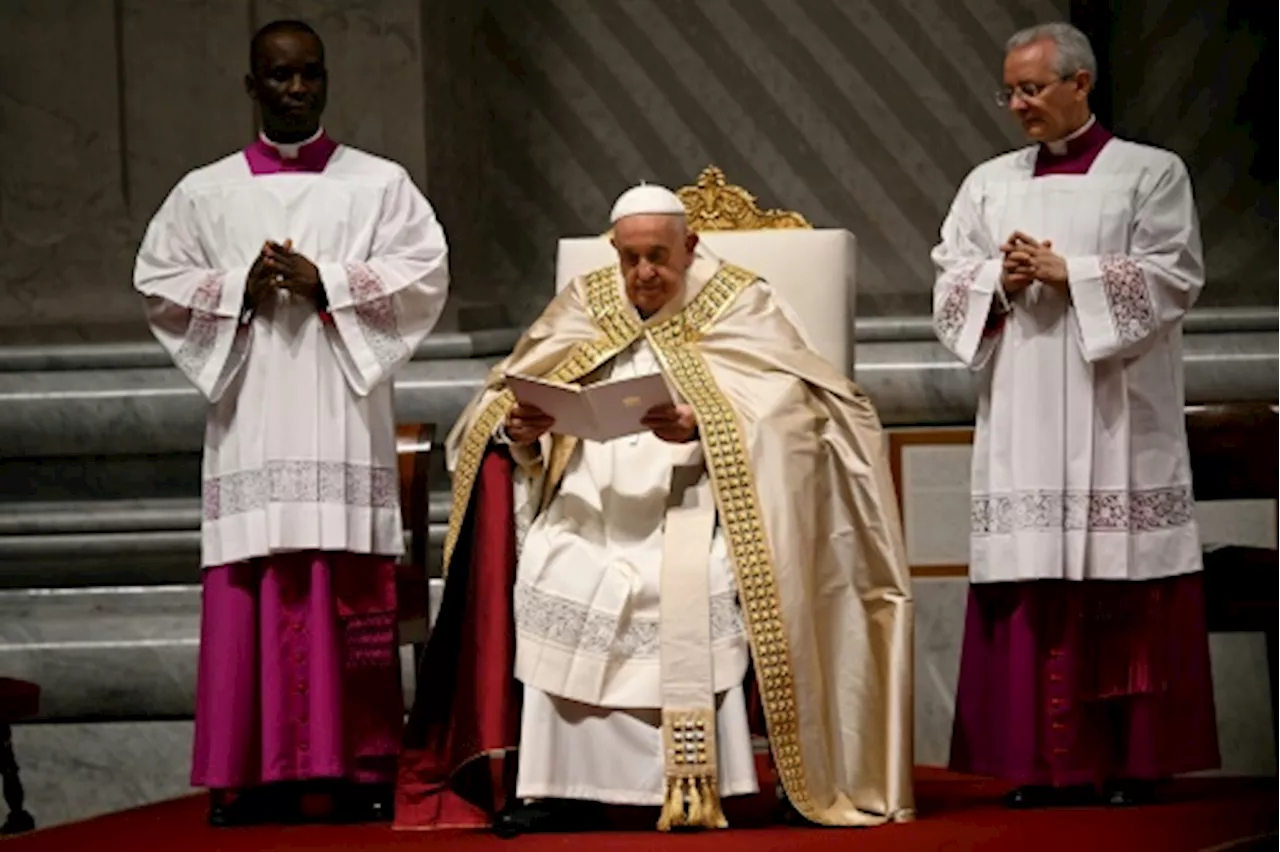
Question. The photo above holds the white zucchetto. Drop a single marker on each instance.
(646, 199)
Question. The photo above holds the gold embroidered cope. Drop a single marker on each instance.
(727, 463)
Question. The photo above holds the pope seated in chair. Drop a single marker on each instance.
(613, 608)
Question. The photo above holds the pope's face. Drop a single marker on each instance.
(654, 253)
(1046, 105)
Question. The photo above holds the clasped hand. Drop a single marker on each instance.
(675, 424)
(1027, 260)
(279, 267)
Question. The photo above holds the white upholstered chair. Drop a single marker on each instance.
(812, 270)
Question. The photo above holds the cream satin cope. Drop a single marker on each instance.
(801, 477)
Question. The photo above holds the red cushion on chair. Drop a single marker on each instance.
(19, 699)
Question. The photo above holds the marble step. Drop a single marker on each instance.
(155, 411)
(143, 542)
(128, 516)
(476, 344)
(78, 560)
(118, 653)
(149, 354)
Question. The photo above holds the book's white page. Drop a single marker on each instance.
(564, 404)
(619, 405)
(598, 412)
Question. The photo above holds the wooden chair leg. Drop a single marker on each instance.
(19, 820)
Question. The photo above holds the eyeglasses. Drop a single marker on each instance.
(1026, 91)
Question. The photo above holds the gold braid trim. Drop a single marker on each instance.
(736, 499)
(464, 476)
(618, 325)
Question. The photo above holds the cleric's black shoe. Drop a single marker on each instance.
(364, 803)
(1130, 793)
(1033, 796)
(255, 806)
(544, 816)
(788, 815)
(19, 821)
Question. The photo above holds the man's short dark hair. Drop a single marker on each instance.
(282, 26)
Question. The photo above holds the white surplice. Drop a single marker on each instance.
(587, 616)
(300, 440)
(1080, 464)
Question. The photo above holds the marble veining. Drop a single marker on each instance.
(56, 413)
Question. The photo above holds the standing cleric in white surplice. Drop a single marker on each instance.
(300, 444)
(1065, 270)
(289, 282)
(1096, 372)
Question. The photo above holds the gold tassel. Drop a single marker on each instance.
(696, 817)
(712, 813)
(673, 808)
(692, 803)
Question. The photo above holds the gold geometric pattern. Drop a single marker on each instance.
(689, 739)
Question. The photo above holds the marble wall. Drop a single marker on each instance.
(528, 117)
(1198, 78)
(104, 104)
(832, 109)
(524, 120)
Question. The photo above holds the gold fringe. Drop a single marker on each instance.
(695, 802)
(673, 809)
(714, 813)
(692, 803)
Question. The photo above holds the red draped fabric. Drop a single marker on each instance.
(466, 713)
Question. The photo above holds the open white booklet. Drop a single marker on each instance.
(596, 412)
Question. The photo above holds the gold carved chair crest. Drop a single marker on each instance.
(714, 204)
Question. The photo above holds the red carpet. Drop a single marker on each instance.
(956, 813)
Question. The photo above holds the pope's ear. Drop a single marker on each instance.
(691, 242)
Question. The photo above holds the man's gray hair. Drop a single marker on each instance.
(1074, 53)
